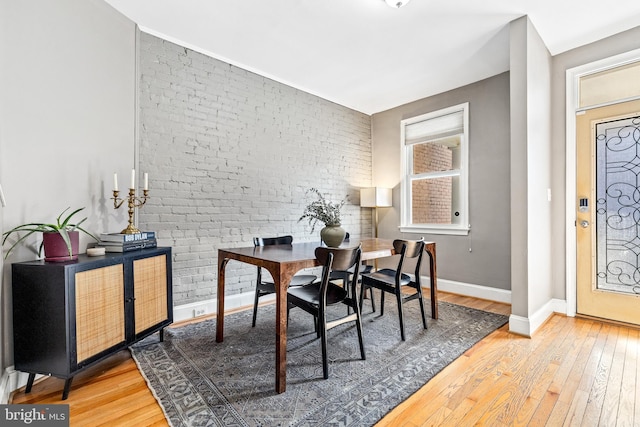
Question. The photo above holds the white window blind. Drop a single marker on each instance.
(434, 128)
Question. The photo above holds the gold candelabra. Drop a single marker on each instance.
(133, 202)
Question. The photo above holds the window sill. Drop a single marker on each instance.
(432, 229)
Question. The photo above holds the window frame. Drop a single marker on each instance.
(406, 226)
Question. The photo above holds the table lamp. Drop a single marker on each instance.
(375, 197)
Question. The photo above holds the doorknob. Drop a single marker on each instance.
(584, 223)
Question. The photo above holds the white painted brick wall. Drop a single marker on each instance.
(230, 155)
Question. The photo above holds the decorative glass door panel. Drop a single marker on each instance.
(618, 205)
(608, 212)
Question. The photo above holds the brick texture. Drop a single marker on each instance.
(432, 198)
(230, 155)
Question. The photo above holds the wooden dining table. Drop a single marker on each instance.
(283, 261)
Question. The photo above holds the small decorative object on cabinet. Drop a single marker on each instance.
(132, 201)
(68, 316)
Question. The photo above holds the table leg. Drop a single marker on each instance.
(281, 279)
(431, 250)
(222, 263)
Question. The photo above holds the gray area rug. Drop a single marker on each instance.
(200, 382)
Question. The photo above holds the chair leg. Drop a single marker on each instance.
(363, 293)
(424, 318)
(345, 285)
(255, 308)
(373, 302)
(399, 298)
(381, 302)
(323, 338)
(359, 328)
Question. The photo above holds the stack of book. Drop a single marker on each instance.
(116, 242)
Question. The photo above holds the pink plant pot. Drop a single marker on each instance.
(55, 249)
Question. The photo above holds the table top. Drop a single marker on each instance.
(371, 249)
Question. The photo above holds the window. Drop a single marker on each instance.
(435, 172)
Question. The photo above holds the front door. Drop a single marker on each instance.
(608, 212)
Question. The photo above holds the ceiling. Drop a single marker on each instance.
(365, 55)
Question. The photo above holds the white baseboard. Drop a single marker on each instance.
(517, 324)
(528, 326)
(208, 307)
(10, 381)
(520, 325)
(560, 306)
(5, 388)
(471, 290)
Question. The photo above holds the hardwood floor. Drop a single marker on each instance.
(111, 393)
(572, 372)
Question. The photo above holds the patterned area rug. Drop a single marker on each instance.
(200, 382)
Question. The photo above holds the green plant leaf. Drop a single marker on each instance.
(65, 236)
(61, 226)
(322, 210)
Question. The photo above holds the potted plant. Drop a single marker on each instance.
(60, 239)
(327, 213)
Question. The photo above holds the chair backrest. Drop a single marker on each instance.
(409, 249)
(268, 241)
(339, 259)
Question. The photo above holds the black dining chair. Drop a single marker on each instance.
(266, 287)
(391, 281)
(347, 275)
(315, 297)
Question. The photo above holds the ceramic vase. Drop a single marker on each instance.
(333, 235)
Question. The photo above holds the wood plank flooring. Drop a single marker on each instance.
(572, 372)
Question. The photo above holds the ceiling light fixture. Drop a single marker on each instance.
(397, 4)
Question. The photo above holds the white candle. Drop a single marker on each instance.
(115, 182)
(133, 178)
(146, 181)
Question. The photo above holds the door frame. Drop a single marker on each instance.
(573, 76)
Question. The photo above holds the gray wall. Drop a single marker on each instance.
(482, 257)
(67, 117)
(231, 154)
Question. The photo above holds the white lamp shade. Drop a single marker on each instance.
(375, 197)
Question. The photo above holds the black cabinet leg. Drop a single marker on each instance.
(162, 335)
(32, 377)
(67, 386)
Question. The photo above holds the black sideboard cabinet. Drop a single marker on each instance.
(70, 315)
